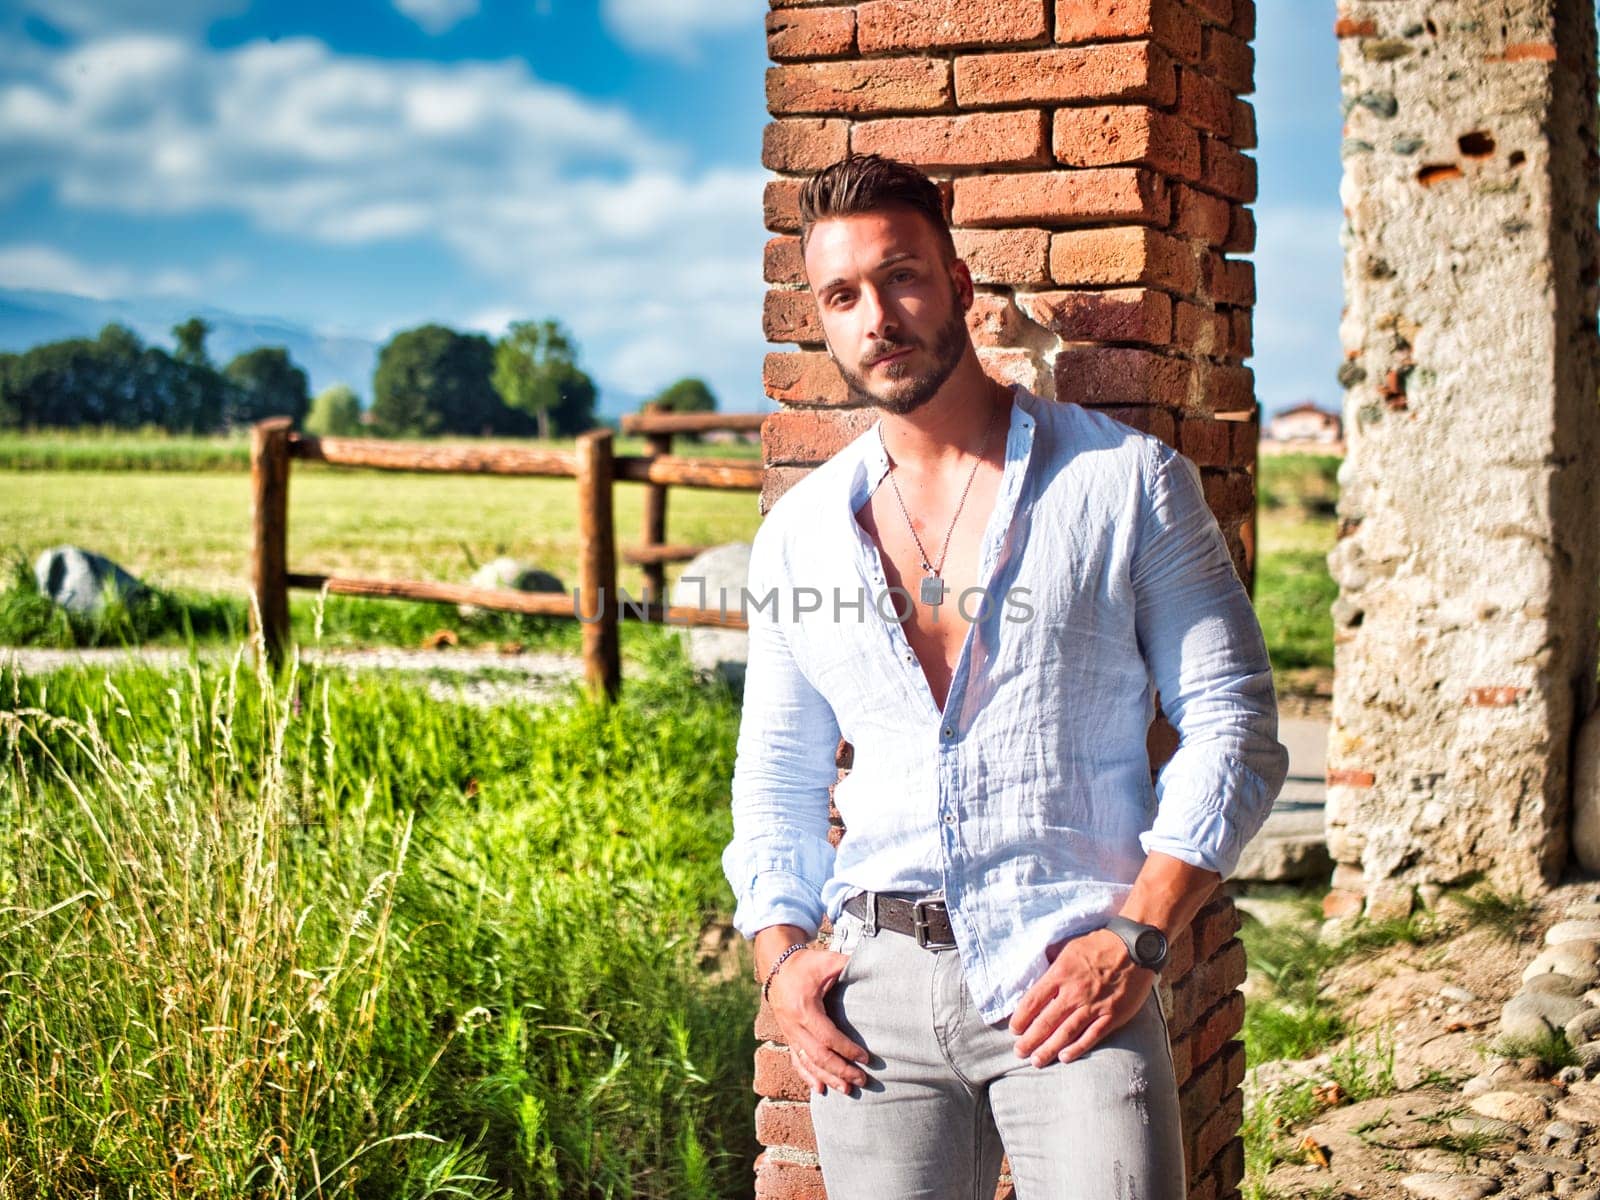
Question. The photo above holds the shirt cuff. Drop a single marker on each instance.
(1207, 808)
(776, 890)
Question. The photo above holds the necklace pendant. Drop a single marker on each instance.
(933, 590)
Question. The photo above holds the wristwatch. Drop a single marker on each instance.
(1147, 945)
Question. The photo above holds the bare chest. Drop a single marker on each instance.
(936, 630)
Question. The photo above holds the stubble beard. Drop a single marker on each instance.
(906, 392)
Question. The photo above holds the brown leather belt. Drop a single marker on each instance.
(925, 919)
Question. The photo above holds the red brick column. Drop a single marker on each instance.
(1093, 158)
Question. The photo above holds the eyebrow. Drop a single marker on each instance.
(888, 262)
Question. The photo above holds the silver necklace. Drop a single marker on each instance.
(932, 591)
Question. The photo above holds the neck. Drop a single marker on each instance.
(949, 428)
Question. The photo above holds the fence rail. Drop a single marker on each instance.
(597, 601)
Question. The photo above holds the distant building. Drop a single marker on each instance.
(1306, 423)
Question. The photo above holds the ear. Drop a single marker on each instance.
(962, 278)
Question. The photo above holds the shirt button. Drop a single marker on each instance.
(949, 732)
(949, 818)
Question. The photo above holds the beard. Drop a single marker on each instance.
(906, 390)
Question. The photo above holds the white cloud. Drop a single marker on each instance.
(555, 204)
(50, 269)
(96, 17)
(676, 27)
(437, 16)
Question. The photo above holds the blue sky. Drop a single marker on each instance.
(360, 166)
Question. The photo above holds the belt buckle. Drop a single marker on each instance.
(919, 924)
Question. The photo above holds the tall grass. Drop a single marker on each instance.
(321, 936)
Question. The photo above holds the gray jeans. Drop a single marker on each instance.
(947, 1093)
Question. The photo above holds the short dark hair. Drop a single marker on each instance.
(864, 183)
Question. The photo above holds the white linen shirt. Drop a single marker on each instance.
(1028, 799)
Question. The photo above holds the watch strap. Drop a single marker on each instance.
(1130, 931)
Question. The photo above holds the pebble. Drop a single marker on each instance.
(1439, 1185)
(1458, 995)
(1571, 1075)
(1572, 931)
(1534, 1014)
(1580, 1110)
(1536, 1184)
(1554, 1164)
(1516, 1107)
(1581, 960)
(1587, 910)
(1487, 1126)
(1584, 1027)
(1554, 984)
(1558, 1131)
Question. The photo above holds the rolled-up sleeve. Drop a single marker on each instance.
(780, 856)
(1203, 645)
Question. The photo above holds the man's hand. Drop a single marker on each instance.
(821, 1052)
(1091, 988)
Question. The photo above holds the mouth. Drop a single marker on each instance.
(891, 357)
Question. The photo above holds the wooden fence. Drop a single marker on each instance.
(592, 463)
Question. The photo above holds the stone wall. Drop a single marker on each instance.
(1465, 625)
(1093, 157)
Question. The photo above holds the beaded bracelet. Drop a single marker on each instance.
(778, 962)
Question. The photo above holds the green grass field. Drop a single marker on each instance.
(327, 937)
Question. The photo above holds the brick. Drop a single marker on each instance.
(810, 33)
(805, 377)
(1349, 777)
(1241, 338)
(1015, 257)
(1213, 12)
(1201, 331)
(1241, 132)
(1228, 280)
(1124, 255)
(1182, 1045)
(1219, 1026)
(775, 481)
(1116, 376)
(1158, 422)
(1214, 925)
(1495, 697)
(879, 85)
(786, 1123)
(1246, 443)
(1345, 27)
(1133, 194)
(1180, 954)
(1117, 71)
(807, 436)
(1230, 495)
(1241, 237)
(767, 1029)
(1207, 442)
(1225, 388)
(999, 139)
(780, 205)
(1233, 1065)
(1230, 60)
(1014, 365)
(1199, 1097)
(790, 315)
(1110, 315)
(781, 261)
(1204, 103)
(1201, 215)
(1230, 1167)
(1243, 24)
(994, 320)
(923, 25)
(1114, 134)
(1166, 21)
(1203, 1187)
(1227, 171)
(1228, 967)
(782, 1179)
(1219, 1129)
(804, 143)
(776, 1077)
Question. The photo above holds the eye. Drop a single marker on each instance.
(903, 275)
(837, 299)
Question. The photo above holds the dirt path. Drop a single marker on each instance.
(478, 676)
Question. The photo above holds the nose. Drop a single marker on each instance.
(881, 324)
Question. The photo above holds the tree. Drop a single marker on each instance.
(536, 372)
(685, 396)
(336, 412)
(434, 380)
(191, 339)
(269, 385)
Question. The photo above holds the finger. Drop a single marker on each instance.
(831, 1036)
(800, 1069)
(1063, 1035)
(1034, 999)
(830, 1067)
(1043, 1025)
(1088, 1040)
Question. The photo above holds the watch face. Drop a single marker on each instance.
(1150, 946)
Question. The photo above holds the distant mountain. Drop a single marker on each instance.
(28, 317)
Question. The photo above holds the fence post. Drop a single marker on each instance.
(655, 520)
(269, 492)
(597, 565)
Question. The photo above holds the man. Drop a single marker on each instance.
(989, 632)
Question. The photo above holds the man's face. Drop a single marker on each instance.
(893, 305)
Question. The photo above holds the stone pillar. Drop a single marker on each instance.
(1465, 625)
(1093, 160)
